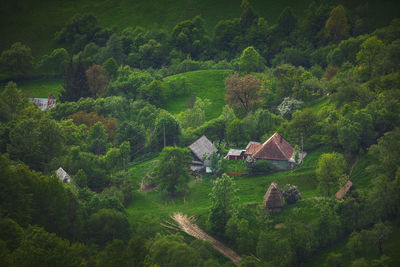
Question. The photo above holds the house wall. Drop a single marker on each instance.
(280, 164)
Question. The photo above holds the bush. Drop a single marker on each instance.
(291, 194)
(259, 167)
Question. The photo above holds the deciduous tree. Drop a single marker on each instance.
(98, 80)
(242, 91)
(336, 27)
(172, 171)
(331, 166)
(18, 58)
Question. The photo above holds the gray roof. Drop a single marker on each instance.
(235, 152)
(63, 175)
(252, 142)
(203, 146)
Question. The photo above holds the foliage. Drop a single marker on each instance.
(288, 106)
(242, 91)
(172, 170)
(106, 225)
(17, 59)
(250, 61)
(370, 55)
(166, 130)
(55, 63)
(291, 194)
(331, 166)
(98, 80)
(223, 198)
(336, 27)
(259, 166)
(76, 83)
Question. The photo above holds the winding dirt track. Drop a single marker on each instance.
(186, 224)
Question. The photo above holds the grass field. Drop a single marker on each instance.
(204, 84)
(41, 88)
(251, 191)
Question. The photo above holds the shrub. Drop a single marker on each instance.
(291, 194)
(259, 166)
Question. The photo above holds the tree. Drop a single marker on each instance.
(113, 49)
(286, 22)
(97, 139)
(40, 248)
(272, 248)
(17, 59)
(172, 251)
(153, 93)
(56, 62)
(172, 171)
(380, 233)
(195, 116)
(336, 27)
(349, 134)
(166, 130)
(242, 91)
(223, 204)
(111, 66)
(98, 80)
(235, 132)
(251, 61)
(133, 133)
(331, 167)
(106, 225)
(370, 55)
(75, 82)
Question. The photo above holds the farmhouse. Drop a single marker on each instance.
(44, 103)
(276, 150)
(201, 150)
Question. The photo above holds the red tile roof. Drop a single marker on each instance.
(252, 148)
(275, 148)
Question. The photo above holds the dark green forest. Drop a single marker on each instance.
(134, 92)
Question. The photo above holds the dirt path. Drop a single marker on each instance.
(186, 224)
(354, 165)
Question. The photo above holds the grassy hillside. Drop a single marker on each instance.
(35, 22)
(204, 84)
(197, 202)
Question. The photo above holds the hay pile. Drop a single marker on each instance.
(273, 201)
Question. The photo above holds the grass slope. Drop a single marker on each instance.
(204, 84)
(197, 202)
(39, 88)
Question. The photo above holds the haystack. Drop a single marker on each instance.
(273, 201)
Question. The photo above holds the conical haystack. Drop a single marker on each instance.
(273, 201)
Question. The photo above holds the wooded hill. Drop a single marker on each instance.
(130, 100)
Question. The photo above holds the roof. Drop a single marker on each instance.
(275, 148)
(63, 175)
(252, 143)
(203, 146)
(273, 200)
(45, 103)
(344, 190)
(252, 147)
(235, 152)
